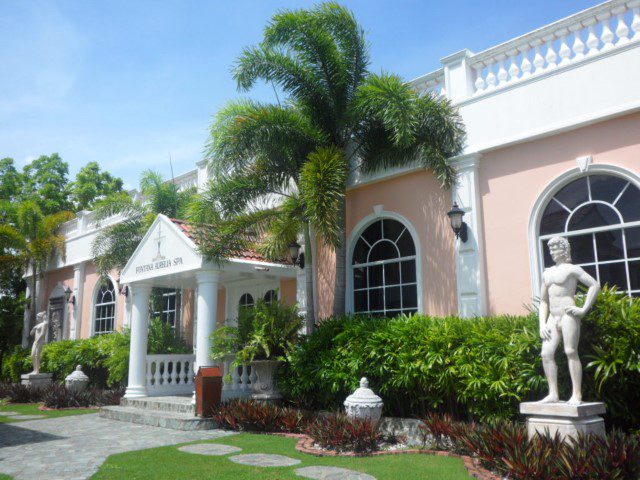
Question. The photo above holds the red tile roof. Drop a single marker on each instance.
(250, 255)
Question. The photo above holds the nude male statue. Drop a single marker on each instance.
(39, 333)
(559, 315)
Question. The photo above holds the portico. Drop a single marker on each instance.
(168, 257)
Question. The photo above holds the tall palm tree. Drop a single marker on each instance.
(29, 241)
(114, 244)
(319, 59)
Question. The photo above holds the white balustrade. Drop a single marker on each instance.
(432, 83)
(237, 380)
(170, 374)
(591, 32)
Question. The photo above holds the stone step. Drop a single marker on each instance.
(162, 404)
(157, 418)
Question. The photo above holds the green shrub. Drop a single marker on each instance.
(163, 339)
(104, 358)
(478, 368)
(16, 363)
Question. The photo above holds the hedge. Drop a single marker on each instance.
(474, 369)
(104, 358)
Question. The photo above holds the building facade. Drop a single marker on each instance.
(553, 147)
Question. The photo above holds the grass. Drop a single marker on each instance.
(32, 409)
(170, 463)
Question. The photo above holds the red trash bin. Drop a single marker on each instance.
(208, 390)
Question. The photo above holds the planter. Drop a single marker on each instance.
(263, 387)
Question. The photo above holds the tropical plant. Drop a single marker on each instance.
(30, 243)
(281, 169)
(268, 332)
(116, 242)
(91, 185)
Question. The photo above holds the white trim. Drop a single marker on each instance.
(96, 288)
(351, 242)
(535, 258)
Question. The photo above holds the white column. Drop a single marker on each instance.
(470, 269)
(78, 290)
(137, 386)
(207, 316)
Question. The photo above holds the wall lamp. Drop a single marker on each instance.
(68, 294)
(457, 225)
(124, 290)
(297, 257)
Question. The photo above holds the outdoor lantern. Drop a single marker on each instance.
(457, 225)
(294, 252)
(67, 294)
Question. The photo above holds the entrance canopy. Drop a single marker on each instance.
(168, 256)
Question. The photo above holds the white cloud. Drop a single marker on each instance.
(29, 159)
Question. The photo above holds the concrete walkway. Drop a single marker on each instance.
(74, 447)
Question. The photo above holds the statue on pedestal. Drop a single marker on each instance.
(39, 333)
(561, 318)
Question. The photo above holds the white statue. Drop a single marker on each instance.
(39, 333)
(559, 315)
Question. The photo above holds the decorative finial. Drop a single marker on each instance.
(364, 383)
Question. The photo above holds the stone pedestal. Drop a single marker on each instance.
(568, 420)
(36, 380)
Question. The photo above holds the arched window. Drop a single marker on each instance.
(383, 270)
(246, 301)
(105, 308)
(600, 215)
(270, 297)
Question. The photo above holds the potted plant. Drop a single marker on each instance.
(262, 338)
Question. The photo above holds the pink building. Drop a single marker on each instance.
(553, 123)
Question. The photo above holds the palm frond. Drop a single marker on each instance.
(322, 188)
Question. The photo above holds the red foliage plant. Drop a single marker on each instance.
(249, 415)
(340, 433)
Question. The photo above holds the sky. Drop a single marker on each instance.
(130, 84)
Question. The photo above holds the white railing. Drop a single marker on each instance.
(432, 83)
(170, 374)
(237, 380)
(584, 35)
(174, 375)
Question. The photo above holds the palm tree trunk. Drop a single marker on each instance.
(341, 259)
(308, 275)
(32, 313)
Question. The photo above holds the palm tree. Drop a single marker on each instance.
(114, 244)
(29, 241)
(319, 59)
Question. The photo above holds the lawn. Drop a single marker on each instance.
(32, 409)
(170, 463)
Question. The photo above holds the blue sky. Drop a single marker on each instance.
(128, 83)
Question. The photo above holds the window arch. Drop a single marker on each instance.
(600, 215)
(383, 270)
(246, 301)
(270, 297)
(104, 307)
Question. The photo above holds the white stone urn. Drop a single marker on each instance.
(76, 381)
(263, 386)
(363, 403)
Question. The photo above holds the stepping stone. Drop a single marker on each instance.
(210, 449)
(27, 417)
(8, 414)
(264, 460)
(332, 473)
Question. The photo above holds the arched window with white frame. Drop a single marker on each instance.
(383, 270)
(600, 215)
(104, 307)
